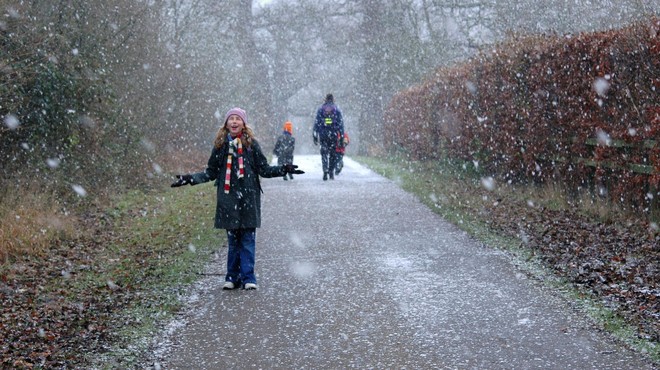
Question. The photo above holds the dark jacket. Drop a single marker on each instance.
(329, 121)
(284, 148)
(241, 208)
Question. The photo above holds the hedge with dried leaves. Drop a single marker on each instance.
(578, 109)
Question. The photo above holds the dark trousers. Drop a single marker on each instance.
(329, 155)
(340, 163)
(285, 159)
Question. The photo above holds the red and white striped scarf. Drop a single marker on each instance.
(238, 145)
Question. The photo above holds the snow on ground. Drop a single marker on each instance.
(356, 273)
(311, 164)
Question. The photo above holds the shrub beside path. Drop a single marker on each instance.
(357, 273)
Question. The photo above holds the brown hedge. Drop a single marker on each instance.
(577, 109)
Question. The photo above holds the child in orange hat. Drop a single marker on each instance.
(340, 150)
(284, 147)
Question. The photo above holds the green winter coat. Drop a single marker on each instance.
(241, 208)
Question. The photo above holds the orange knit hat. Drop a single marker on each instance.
(288, 127)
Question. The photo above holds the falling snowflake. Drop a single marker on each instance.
(53, 162)
(601, 86)
(79, 190)
(603, 138)
(11, 121)
(112, 285)
(488, 183)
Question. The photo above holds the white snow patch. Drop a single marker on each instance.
(304, 270)
(398, 262)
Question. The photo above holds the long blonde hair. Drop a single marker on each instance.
(247, 136)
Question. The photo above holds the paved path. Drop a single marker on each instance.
(357, 274)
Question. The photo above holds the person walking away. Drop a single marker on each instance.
(284, 147)
(342, 143)
(328, 124)
(235, 164)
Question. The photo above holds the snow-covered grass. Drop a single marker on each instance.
(156, 248)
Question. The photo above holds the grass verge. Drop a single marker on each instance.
(163, 242)
(96, 296)
(29, 221)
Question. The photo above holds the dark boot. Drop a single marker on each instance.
(325, 176)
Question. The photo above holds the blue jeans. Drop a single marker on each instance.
(240, 257)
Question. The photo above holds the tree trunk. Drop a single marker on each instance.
(257, 82)
(370, 88)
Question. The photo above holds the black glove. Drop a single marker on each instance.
(291, 168)
(316, 140)
(182, 180)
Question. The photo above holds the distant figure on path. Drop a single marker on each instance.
(285, 146)
(329, 123)
(237, 155)
(342, 143)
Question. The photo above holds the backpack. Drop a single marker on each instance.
(329, 114)
(330, 123)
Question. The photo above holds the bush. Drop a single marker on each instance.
(581, 110)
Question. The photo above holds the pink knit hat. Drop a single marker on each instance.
(237, 111)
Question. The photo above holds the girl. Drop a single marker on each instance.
(238, 208)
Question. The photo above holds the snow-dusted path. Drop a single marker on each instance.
(356, 273)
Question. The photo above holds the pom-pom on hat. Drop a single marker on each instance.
(288, 127)
(237, 111)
